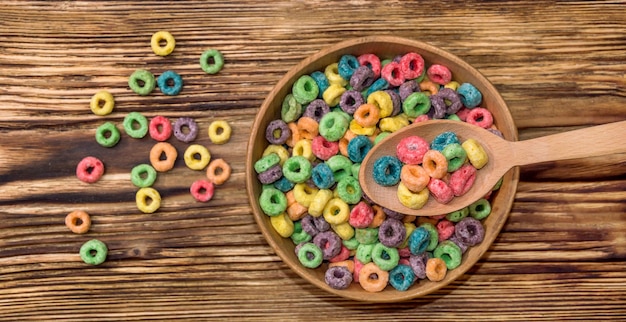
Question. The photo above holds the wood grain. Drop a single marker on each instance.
(559, 65)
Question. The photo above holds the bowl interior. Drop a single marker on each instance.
(384, 47)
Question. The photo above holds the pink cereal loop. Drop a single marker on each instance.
(480, 116)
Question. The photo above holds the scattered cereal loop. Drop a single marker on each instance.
(102, 103)
(93, 252)
(90, 169)
(162, 36)
(78, 221)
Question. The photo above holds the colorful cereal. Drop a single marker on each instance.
(162, 36)
(93, 252)
(78, 221)
(148, 200)
(102, 103)
(218, 171)
(107, 135)
(89, 169)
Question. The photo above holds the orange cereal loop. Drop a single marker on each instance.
(218, 171)
(343, 146)
(379, 216)
(349, 135)
(296, 211)
(78, 221)
(436, 269)
(435, 164)
(408, 218)
(414, 177)
(290, 198)
(308, 128)
(424, 220)
(372, 278)
(162, 156)
(295, 134)
(367, 115)
(349, 264)
(429, 87)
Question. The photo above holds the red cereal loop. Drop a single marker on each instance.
(412, 65)
(445, 229)
(160, 128)
(372, 61)
(361, 215)
(404, 252)
(440, 191)
(357, 269)
(462, 179)
(439, 74)
(89, 169)
(411, 149)
(202, 190)
(324, 149)
(344, 254)
(480, 116)
(462, 113)
(392, 73)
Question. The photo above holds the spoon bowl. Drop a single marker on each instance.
(502, 154)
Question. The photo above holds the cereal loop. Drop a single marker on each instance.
(202, 190)
(185, 129)
(219, 132)
(142, 82)
(93, 252)
(367, 115)
(107, 135)
(218, 171)
(170, 83)
(78, 221)
(89, 169)
(160, 128)
(102, 103)
(196, 157)
(392, 73)
(439, 74)
(143, 175)
(475, 153)
(414, 177)
(162, 36)
(435, 164)
(135, 125)
(211, 61)
(148, 200)
(162, 156)
(372, 278)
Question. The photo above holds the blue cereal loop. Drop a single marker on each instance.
(419, 240)
(358, 148)
(442, 140)
(386, 170)
(322, 82)
(378, 85)
(167, 89)
(401, 277)
(347, 65)
(322, 176)
(283, 184)
(470, 95)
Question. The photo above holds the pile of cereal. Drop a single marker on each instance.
(163, 155)
(309, 171)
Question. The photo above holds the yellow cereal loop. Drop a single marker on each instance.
(282, 225)
(382, 100)
(336, 211)
(280, 150)
(316, 208)
(453, 85)
(219, 132)
(156, 40)
(148, 200)
(332, 74)
(196, 157)
(102, 103)
(303, 148)
(345, 231)
(357, 129)
(394, 123)
(411, 199)
(475, 153)
(332, 95)
(409, 227)
(304, 194)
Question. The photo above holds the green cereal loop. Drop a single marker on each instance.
(272, 201)
(340, 165)
(434, 236)
(333, 126)
(420, 78)
(354, 169)
(366, 235)
(386, 258)
(380, 137)
(310, 249)
(266, 162)
(305, 89)
(132, 119)
(143, 175)
(450, 253)
(416, 104)
(456, 156)
(364, 253)
(299, 235)
(480, 209)
(454, 117)
(93, 252)
(456, 216)
(385, 62)
(297, 169)
(347, 116)
(498, 184)
(107, 135)
(351, 243)
(149, 82)
(291, 110)
(211, 61)
(349, 190)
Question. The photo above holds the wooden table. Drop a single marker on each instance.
(559, 66)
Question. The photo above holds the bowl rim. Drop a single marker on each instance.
(305, 67)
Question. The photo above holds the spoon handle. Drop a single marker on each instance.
(591, 141)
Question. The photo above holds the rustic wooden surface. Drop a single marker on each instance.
(559, 66)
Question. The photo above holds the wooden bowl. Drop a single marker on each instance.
(384, 47)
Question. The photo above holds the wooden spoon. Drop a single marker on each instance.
(503, 155)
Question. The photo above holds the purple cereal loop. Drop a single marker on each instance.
(321, 224)
(338, 277)
(316, 109)
(362, 78)
(308, 225)
(277, 125)
(407, 88)
(397, 59)
(271, 175)
(329, 243)
(469, 231)
(190, 124)
(393, 214)
(366, 198)
(391, 232)
(438, 102)
(496, 132)
(396, 100)
(350, 101)
(459, 243)
(418, 264)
